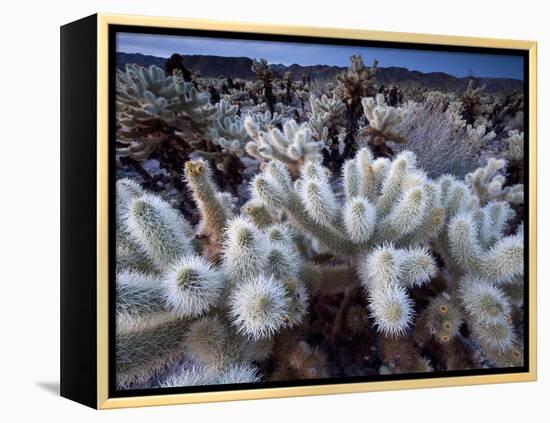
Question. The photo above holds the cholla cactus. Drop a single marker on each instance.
(484, 261)
(187, 376)
(238, 97)
(245, 252)
(392, 94)
(490, 260)
(437, 100)
(514, 154)
(214, 314)
(383, 120)
(416, 93)
(441, 320)
(192, 286)
(306, 362)
(385, 202)
(515, 146)
(138, 294)
(294, 145)
(484, 302)
(220, 318)
(303, 97)
(381, 117)
(478, 246)
(258, 307)
(505, 111)
(453, 115)
(386, 273)
(354, 84)
(147, 345)
(327, 116)
(158, 229)
(262, 70)
(357, 81)
(488, 184)
(262, 122)
(129, 254)
(471, 100)
(149, 102)
(323, 258)
(478, 136)
(256, 239)
(227, 129)
(400, 194)
(167, 118)
(288, 84)
(213, 205)
(488, 310)
(264, 74)
(262, 304)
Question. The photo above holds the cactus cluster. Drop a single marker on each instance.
(488, 183)
(294, 145)
(472, 102)
(327, 117)
(313, 228)
(215, 293)
(167, 118)
(515, 146)
(150, 103)
(355, 84)
(382, 122)
(219, 295)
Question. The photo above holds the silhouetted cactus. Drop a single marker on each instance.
(471, 102)
(353, 85)
(264, 74)
(515, 156)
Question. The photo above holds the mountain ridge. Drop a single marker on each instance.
(240, 67)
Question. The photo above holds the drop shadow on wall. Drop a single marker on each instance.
(51, 387)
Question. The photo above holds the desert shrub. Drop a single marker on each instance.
(440, 147)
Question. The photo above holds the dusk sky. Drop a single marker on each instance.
(457, 64)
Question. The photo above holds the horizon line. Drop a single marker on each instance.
(324, 64)
(456, 63)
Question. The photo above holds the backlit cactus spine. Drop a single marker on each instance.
(267, 294)
(146, 346)
(490, 261)
(221, 317)
(386, 274)
(146, 97)
(158, 228)
(216, 306)
(386, 202)
(383, 120)
(293, 146)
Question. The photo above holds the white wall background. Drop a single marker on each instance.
(29, 206)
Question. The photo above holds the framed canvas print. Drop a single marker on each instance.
(253, 211)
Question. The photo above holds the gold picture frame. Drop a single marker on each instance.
(102, 398)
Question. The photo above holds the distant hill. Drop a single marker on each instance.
(240, 67)
(210, 66)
